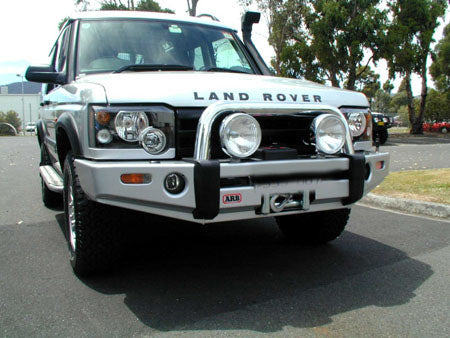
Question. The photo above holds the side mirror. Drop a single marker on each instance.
(44, 74)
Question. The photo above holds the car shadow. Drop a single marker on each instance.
(176, 274)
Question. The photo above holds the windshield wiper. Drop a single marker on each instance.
(227, 70)
(149, 67)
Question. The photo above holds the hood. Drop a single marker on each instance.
(200, 89)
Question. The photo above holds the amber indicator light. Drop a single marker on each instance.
(135, 178)
(103, 117)
(379, 165)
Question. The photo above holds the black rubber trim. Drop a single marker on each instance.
(66, 123)
(207, 189)
(356, 175)
(40, 132)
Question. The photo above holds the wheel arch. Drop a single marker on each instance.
(40, 132)
(67, 138)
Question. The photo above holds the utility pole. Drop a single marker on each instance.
(23, 106)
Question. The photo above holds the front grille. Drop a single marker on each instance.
(291, 131)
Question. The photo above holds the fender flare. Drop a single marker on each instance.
(66, 125)
(40, 132)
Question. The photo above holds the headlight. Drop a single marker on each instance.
(129, 124)
(356, 123)
(329, 133)
(153, 140)
(376, 119)
(121, 127)
(386, 120)
(240, 135)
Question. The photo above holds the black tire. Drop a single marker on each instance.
(383, 136)
(444, 130)
(315, 227)
(50, 198)
(92, 229)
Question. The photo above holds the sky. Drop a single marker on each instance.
(28, 29)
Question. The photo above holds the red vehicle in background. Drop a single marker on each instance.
(441, 127)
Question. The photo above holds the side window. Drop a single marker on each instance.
(62, 52)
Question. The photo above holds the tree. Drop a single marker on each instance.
(440, 69)
(282, 17)
(324, 39)
(368, 82)
(438, 106)
(142, 5)
(12, 118)
(382, 102)
(408, 46)
(192, 7)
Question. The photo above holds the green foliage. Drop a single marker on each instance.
(440, 69)
(438, 106)
(382, 102)
(368, 82)
(407, 46)
(12, 118)
(388, 86)
(323, 39)
(143, 5)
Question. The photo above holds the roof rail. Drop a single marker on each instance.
(212, 17)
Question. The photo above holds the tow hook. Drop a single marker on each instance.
(285, 201)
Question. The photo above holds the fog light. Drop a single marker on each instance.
(329, 131)
(174, 183)
(153, 140)
(104, 136)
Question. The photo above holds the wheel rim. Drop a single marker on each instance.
(71, 216)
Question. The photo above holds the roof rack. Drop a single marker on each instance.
(212, 17)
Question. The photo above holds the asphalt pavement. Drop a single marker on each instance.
(387, 275)
(417, 152)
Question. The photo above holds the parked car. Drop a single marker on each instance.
(380, 124)
(441, 127)
(30, 127)
(179, 117)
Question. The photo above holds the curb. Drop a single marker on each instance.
(408, 206)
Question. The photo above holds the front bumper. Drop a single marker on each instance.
(321, 183)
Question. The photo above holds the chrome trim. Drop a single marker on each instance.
(51, 178)
(203, 142)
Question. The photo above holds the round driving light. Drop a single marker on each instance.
(329, 132)
(356, 123)
(129, 125)
(240, 135)
(174, 183)
(153, 140)
(104, 136)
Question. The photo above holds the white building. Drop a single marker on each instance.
(29, 112)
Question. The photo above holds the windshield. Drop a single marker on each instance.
(110, 45)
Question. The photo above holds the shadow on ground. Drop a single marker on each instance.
(179, 276)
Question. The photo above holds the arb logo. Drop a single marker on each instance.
(232, 198)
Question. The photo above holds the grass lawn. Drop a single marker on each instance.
(423, 185)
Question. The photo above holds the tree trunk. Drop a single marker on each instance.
(192, 7)
(410, 104)
(334, 80)
(423, 96)
(351, 78)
